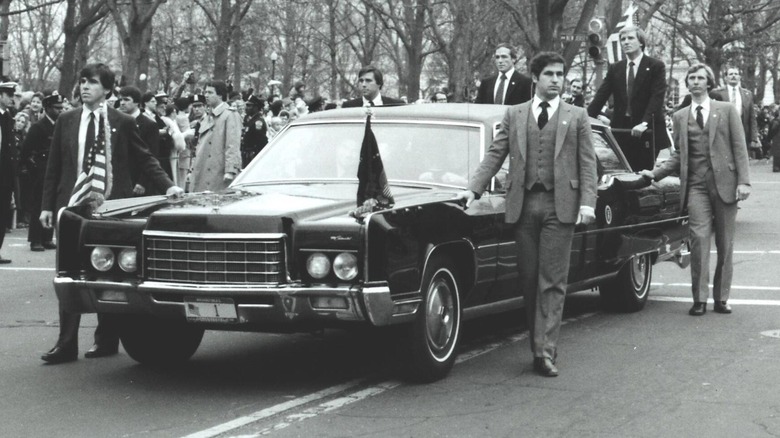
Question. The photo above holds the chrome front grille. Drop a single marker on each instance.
(214, 259)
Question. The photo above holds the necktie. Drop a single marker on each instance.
(734, 95)
(543, 116)
(499, 99)
(699, 117)
(630, 87)
(89, 145)
(371, 103)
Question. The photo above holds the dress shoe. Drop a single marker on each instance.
(722, 307)
(698, 309)
(49, 245)
(544, 366)
(4, 261)
(37, 247)
(59, 355)
(100, 351)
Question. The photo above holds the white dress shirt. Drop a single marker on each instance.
(83, 134)
(705, 109)
(636, 66)
(506, 83)
(736, 98)
(536, 109)
(377, 100)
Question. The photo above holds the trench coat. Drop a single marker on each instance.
(218, 151)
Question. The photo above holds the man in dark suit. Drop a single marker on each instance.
(7, 174)
(551, 187)
(742, 100)
(637, 85)
(35, 154)
(508, 87)
(575, 88)
(130, 104)
(711, 159)
(79, 135)
(370, 82)
(254, 136)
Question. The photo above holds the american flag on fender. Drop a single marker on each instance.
(372, 180)
(91, 182)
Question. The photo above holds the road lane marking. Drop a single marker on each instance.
(348, 399)
(740, 301)
(25, 269)
(688, 285)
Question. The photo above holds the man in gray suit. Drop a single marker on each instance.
(743, 101)
(551, 187)
(713, 166)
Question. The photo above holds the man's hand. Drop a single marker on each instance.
(466, 195)
(47, 218)
(587, 215)
(639, 129)
(603, 119)
(174, 191)
(743, 191)
(229, 177)
(139, 190)
(647, 174)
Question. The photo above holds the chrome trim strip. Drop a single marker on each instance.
(160, 233)
(93, 245)
(327, 250)
(382, 121)
(492, 308)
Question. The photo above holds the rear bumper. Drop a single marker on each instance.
(257, 308)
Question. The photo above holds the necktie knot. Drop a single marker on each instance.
(544, 105)
(631, 64)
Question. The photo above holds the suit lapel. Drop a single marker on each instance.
(511, 85)
(72, 136)
(564, 118)
(523, 117)
(713, 122)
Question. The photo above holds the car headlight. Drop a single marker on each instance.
(345, 266)
(127, 260)
(102, 258)
(318, 265)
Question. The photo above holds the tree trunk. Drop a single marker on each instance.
(5, 6)
(237, 57)
(222, 45)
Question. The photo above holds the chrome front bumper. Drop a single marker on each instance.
(282, 306)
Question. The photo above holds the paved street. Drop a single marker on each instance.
(656, 373)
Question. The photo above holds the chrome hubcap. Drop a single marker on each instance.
(439, 317)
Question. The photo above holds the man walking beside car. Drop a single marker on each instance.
(104, 145)
(713, 166)
(551, 188)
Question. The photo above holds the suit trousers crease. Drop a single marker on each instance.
(543, 248)
(708, 213)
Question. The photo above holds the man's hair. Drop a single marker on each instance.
(707, 70)
(733, 67)
(378, 78)
(39, 95)
(182, 103)
(147, 97)
(543, 59)
(640, 34)
(276, 107)
(220, 87)
(512, 50)
(235, 95)
(575, 80)
(100, 71)
(132, 92)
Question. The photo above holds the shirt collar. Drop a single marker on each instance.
(705, 106)
(219, 108)
(508, 74)
(85, 112)
(635, 61)
(377, 100)
(554, 103)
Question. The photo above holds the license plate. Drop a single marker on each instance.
(201, 309)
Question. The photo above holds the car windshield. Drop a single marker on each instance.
(411, 152)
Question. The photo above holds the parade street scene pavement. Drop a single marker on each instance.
(656, 372)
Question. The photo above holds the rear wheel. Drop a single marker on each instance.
(629, 290)
(434, 336)
(151, 341)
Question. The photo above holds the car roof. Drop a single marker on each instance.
(464, 112)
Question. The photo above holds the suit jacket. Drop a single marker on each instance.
(687, 99)
(150, 135)
(728, 151)
(575, 161)
(647, 97)
(6, 151)
(219, 149)
(129, 155)
(386, 101)
(749, 119)
(519, 89)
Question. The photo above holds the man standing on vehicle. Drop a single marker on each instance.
(370, 82)
(712, 162)
(100, 141)
(551, 188)
(508, 87)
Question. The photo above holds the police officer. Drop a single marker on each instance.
(254, 136)
(35, 152)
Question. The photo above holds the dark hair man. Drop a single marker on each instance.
(218, 153)
(508, 87)
(711, 159)
(130, 104)
(254, 136)
(35, 154)
(79, 133)
(7, 174)
(577, 97)
(370, 82)
(637, 85)
(742, 100)
(542, 202)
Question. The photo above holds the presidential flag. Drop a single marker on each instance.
(372, 180)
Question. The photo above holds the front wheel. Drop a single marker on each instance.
(434, 336)
(629, 290)
(151, 341)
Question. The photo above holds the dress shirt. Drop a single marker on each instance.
(506, 82)
(135, 113)
(705, 109)
(636, 66)
(83, 133)
(377, 100)
(736, 97)
(536, 109)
